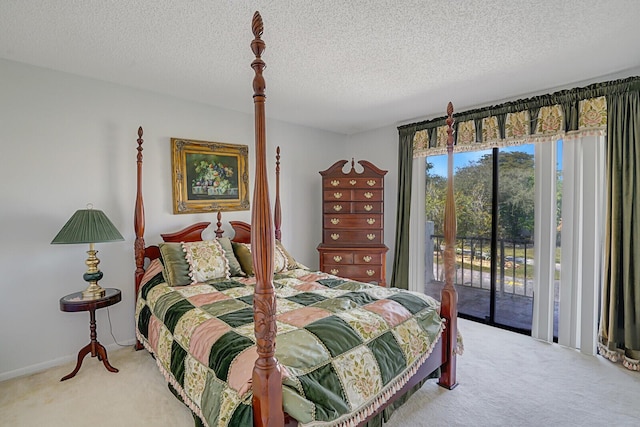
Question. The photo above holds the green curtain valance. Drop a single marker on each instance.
(567, 113)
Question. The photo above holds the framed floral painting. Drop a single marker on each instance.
(209, 176)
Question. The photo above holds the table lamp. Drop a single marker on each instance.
(89, 226)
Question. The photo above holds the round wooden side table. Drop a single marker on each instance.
(74, 302)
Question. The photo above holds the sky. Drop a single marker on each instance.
(462, 159)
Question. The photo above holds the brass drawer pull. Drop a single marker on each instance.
(366, 258)
(337, 258)
(337, 195)
(336, 236)
(370, 272)
(368, 207)
(371, 182)
(353, 182)
(335, 182)
(371, 221)
(337, 208)
(371, 236)
(368, 195)
(335, 271)
(335, 221)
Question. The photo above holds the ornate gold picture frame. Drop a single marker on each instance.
(209, 176)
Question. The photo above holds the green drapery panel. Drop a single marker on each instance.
(400, 276)
(619, 337)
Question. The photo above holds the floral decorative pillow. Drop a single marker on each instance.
(206, 260)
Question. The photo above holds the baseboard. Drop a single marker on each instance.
(39, 367)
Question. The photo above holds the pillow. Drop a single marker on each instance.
(243, 253)
(176, 267)
(234, 266)
(206, 260)
(291, 262)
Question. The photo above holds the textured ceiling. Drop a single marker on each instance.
(340, 65)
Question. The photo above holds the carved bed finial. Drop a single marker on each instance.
(219, 231)
(257, 46)
(256, 25)
(450, 121)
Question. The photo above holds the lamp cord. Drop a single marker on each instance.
(111, 330)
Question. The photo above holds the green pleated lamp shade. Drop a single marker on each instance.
(88, 226)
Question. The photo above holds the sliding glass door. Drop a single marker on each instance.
(494, 194)
(513, 231)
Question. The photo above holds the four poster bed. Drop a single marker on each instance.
(212, 311)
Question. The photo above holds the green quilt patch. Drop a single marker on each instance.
(408, 301)
(389, 355)
(336, 334)
(152, 283)
(175, 312)
(219, 308)
(177, 362)
(306, 298)
(238, 318)
(226, 284)
(331, 283)
(143, 321)
(360, 298)
(323, 387)
(225, 350)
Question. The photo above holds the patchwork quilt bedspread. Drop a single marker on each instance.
(345, 347)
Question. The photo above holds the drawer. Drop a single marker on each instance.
(363, 271)
(337, 207)
(367, 195)
(335, 182)
(366, 207)
(347, 182)
(338, 258)
(365, 258)
(373, 221)
(337, 195)
(349, 236)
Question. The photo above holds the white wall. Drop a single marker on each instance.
(67, 141)
(380, 147)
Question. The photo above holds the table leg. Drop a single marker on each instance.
(102, 355)
(94, 347)
(81, 354)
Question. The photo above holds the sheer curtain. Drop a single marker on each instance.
(583, 117)
(583, 212)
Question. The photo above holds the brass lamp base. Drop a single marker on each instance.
(93, 274)
(93, 291)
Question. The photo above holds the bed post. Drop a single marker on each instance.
(138, 225)
(267, 378)
(277, 212)
(449, 295)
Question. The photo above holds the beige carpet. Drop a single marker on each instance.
(505, 379)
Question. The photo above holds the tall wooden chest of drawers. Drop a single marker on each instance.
(353, 223)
